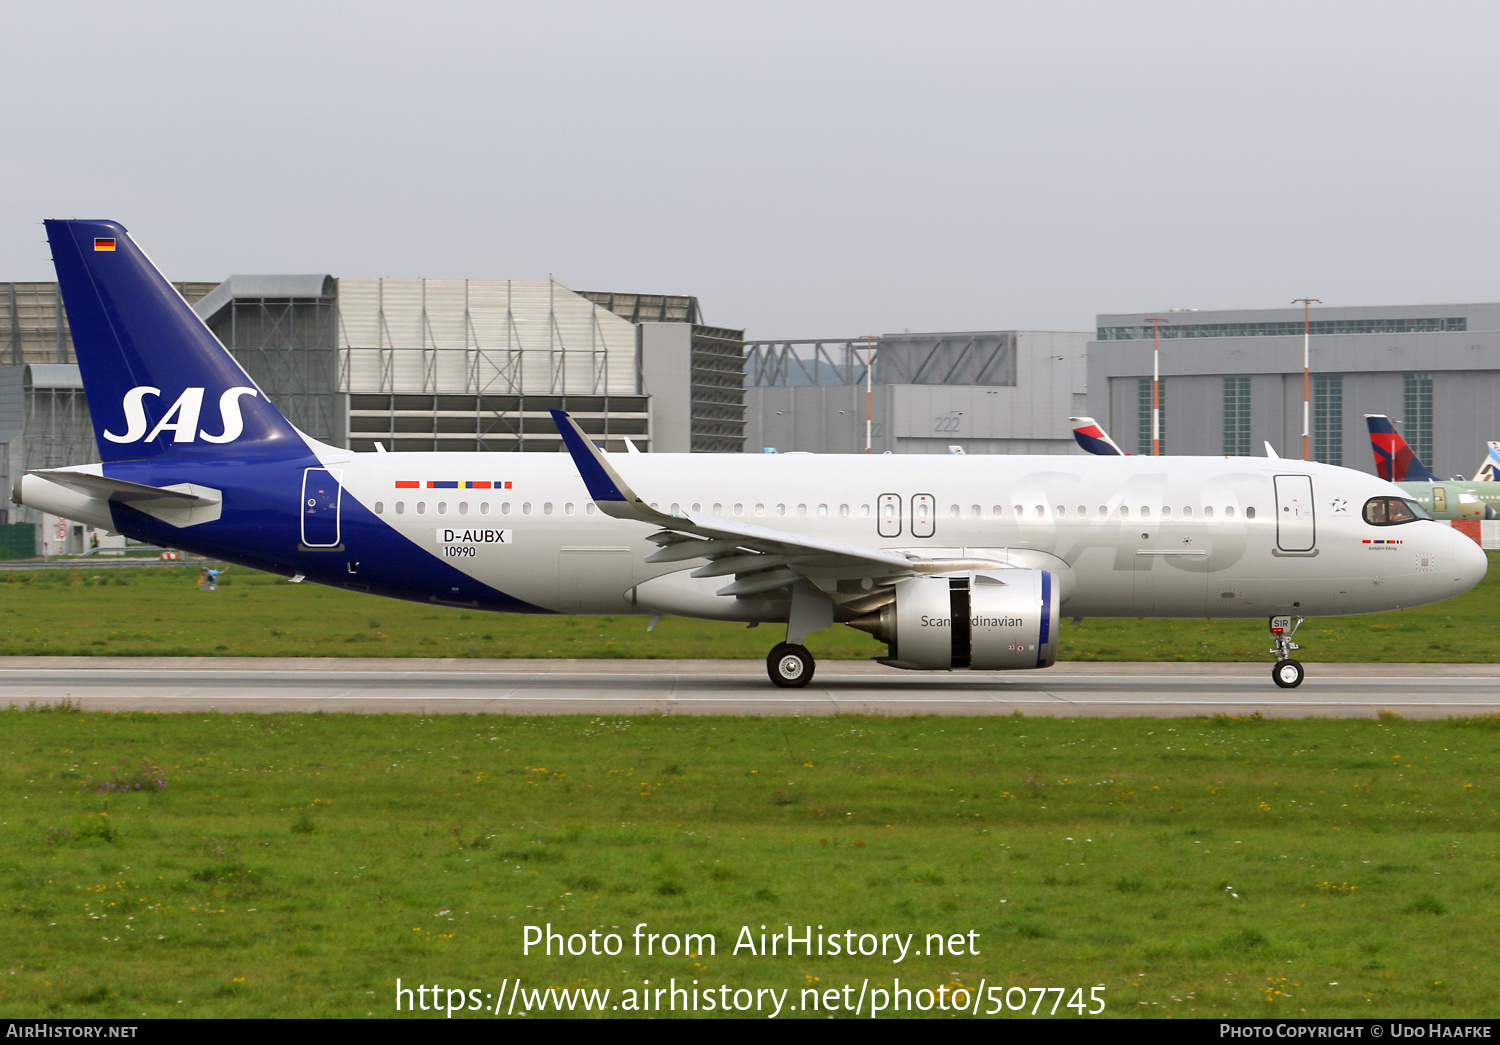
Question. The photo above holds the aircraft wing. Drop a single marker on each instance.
(761, 558)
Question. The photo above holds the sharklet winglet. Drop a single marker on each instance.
(611, 493)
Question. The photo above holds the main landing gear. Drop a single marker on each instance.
(789, 663)
(1286, 672)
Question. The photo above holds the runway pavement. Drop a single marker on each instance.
(701, 687)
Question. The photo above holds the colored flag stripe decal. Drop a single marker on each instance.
(453, 484)
(103, 243)
(1382, 542)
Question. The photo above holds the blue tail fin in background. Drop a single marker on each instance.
(1091, 435)
(157, 380)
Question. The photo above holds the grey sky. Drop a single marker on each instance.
(806, 169)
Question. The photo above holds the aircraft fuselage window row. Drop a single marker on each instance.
(889, 511)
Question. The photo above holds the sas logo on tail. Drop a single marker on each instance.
(182, 418)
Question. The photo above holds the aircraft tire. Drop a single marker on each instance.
(1287, 674)
(789, 665)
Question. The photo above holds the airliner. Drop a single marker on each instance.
(1456, 498)
(954, 562)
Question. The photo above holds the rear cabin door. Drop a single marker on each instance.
(321, 499)
(1296, 529)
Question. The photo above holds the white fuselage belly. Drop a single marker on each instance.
(1165, 537)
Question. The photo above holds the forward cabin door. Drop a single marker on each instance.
(1296, 529)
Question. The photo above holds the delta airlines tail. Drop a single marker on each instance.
(1394, 460)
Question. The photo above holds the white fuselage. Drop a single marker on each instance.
(1128, 536)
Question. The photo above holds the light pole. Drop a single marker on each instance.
(869, 340)
(1156, 323)
(1307, 304)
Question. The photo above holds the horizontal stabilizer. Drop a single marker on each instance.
(120, 490)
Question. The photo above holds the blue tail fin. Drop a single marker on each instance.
(157, 379)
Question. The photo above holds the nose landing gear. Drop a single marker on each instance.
(1286, 672)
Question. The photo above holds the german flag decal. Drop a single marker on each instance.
(104, 243)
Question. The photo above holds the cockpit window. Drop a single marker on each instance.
(1393, 511)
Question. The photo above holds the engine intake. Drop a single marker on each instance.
(999, 620)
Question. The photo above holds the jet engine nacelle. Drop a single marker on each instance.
(998, 620)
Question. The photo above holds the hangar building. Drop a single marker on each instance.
(989, 392)
(415, 364)
(1232, 380)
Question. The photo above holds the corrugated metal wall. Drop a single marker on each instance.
(532, 337)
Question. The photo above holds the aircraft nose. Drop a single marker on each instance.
(1469, 562)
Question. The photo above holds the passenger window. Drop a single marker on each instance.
(1208, 513)
(379, 508)
(400, 507)
(953, 511)
(421, 507)
(567, 508)
(526, 507)
(484, 507)
(843, 511)
(739, 509)
(463, 508)
(1250, 513)
(1124, 512)
(1166, 512)
(1229, 512)
(1187, 513)
(864, 509)
(589, 508)
(442, 507)
(505, 508)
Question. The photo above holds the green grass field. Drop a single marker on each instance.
(158, 611)
(298, 865)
